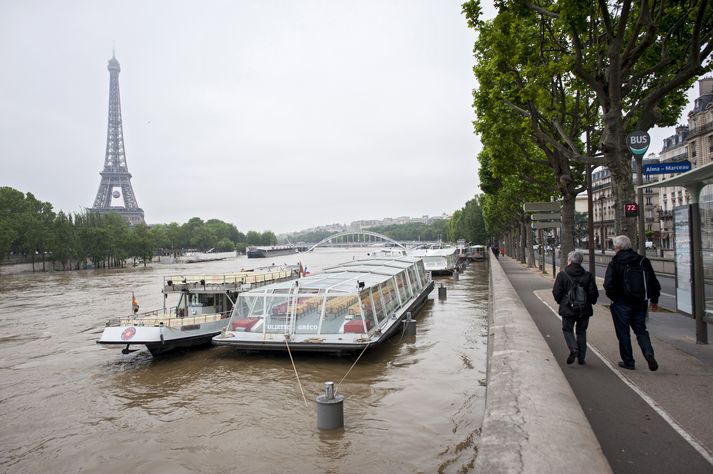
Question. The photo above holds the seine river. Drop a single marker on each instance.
(69, 405)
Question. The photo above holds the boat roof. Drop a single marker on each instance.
(345, 278)
(442, 252)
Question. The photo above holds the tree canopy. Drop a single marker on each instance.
(30, 229)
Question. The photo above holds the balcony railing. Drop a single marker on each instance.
(699, 130)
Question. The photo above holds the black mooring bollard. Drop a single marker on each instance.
(409, 325)
(330, 409)
(442, 292)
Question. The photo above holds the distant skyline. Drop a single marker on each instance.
(270, 115)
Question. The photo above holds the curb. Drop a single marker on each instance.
(533, 421)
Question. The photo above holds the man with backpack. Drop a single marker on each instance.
(575, 291)
(630, 284)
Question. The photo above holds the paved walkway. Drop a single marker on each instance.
(645, 421)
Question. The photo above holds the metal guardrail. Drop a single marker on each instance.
(167, 319)
(233, 280)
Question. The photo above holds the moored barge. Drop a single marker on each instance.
(344, 309)
(204, 305)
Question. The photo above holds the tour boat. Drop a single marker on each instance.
(274, 251)
(438, 260)
(345, 308)
(203, 308)
(476, 253)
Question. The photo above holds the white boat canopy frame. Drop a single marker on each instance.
(694, 181)
(345, 303)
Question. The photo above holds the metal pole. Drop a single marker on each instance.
(542, 252)
(698, 286)
(590, 215)
(640, 200)
(601, 231)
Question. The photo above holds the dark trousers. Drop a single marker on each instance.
(569, 327)
(625, 317)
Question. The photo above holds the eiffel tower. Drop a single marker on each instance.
(115, 192)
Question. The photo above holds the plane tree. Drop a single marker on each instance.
(637, 58)
(526, 94)
(508, 179)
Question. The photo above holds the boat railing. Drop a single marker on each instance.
(222, 282)
(168, 318)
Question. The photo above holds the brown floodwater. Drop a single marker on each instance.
(69, 405)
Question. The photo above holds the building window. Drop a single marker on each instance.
(693, 149)
(710, 143)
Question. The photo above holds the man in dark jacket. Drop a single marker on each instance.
(574, 274)
(629, 310)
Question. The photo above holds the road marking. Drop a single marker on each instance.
(695, 444)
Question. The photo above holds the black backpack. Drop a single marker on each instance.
(635, 281)
(576, 297)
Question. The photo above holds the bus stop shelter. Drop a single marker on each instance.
(694, 181)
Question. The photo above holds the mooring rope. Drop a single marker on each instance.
(336, 389)
(403, 332)
(296, 374)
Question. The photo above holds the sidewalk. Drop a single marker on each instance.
(629, 410)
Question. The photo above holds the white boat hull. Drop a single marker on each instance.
(161, 339)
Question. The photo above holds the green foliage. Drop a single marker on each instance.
(309, 237)
(415, 231)
(581, 227)
(30, 229)
(468, 223)
(634, 60)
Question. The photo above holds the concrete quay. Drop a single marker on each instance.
(533, 421)
(640, 421)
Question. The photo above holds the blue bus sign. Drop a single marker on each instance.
(665, 168)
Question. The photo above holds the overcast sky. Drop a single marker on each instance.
(276, 115)
(272, 115)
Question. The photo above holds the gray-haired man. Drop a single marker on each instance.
(630, 283)
(575, 313)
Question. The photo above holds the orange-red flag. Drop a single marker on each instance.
(134, 303)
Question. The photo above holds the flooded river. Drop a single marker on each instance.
(69, 405)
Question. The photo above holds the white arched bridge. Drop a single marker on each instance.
(360, 237)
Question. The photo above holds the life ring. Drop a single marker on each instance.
(128, 333)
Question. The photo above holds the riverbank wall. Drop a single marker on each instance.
(533, 422)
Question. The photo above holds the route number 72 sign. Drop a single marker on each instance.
(631, 209)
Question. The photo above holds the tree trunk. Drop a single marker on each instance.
(523, 239)
(618, 160)
(530, 244)
(567, 229)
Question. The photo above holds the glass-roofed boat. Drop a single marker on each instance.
(342, 309)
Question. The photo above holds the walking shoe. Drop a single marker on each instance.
(626, 366)
(653, 365)
(572, 356)
(580, 361)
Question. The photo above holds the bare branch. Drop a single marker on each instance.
(519, 109)
(604, 8)
(541, 11)
(632, 53)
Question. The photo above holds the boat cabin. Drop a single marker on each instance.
(352, 303)
(476, 253)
